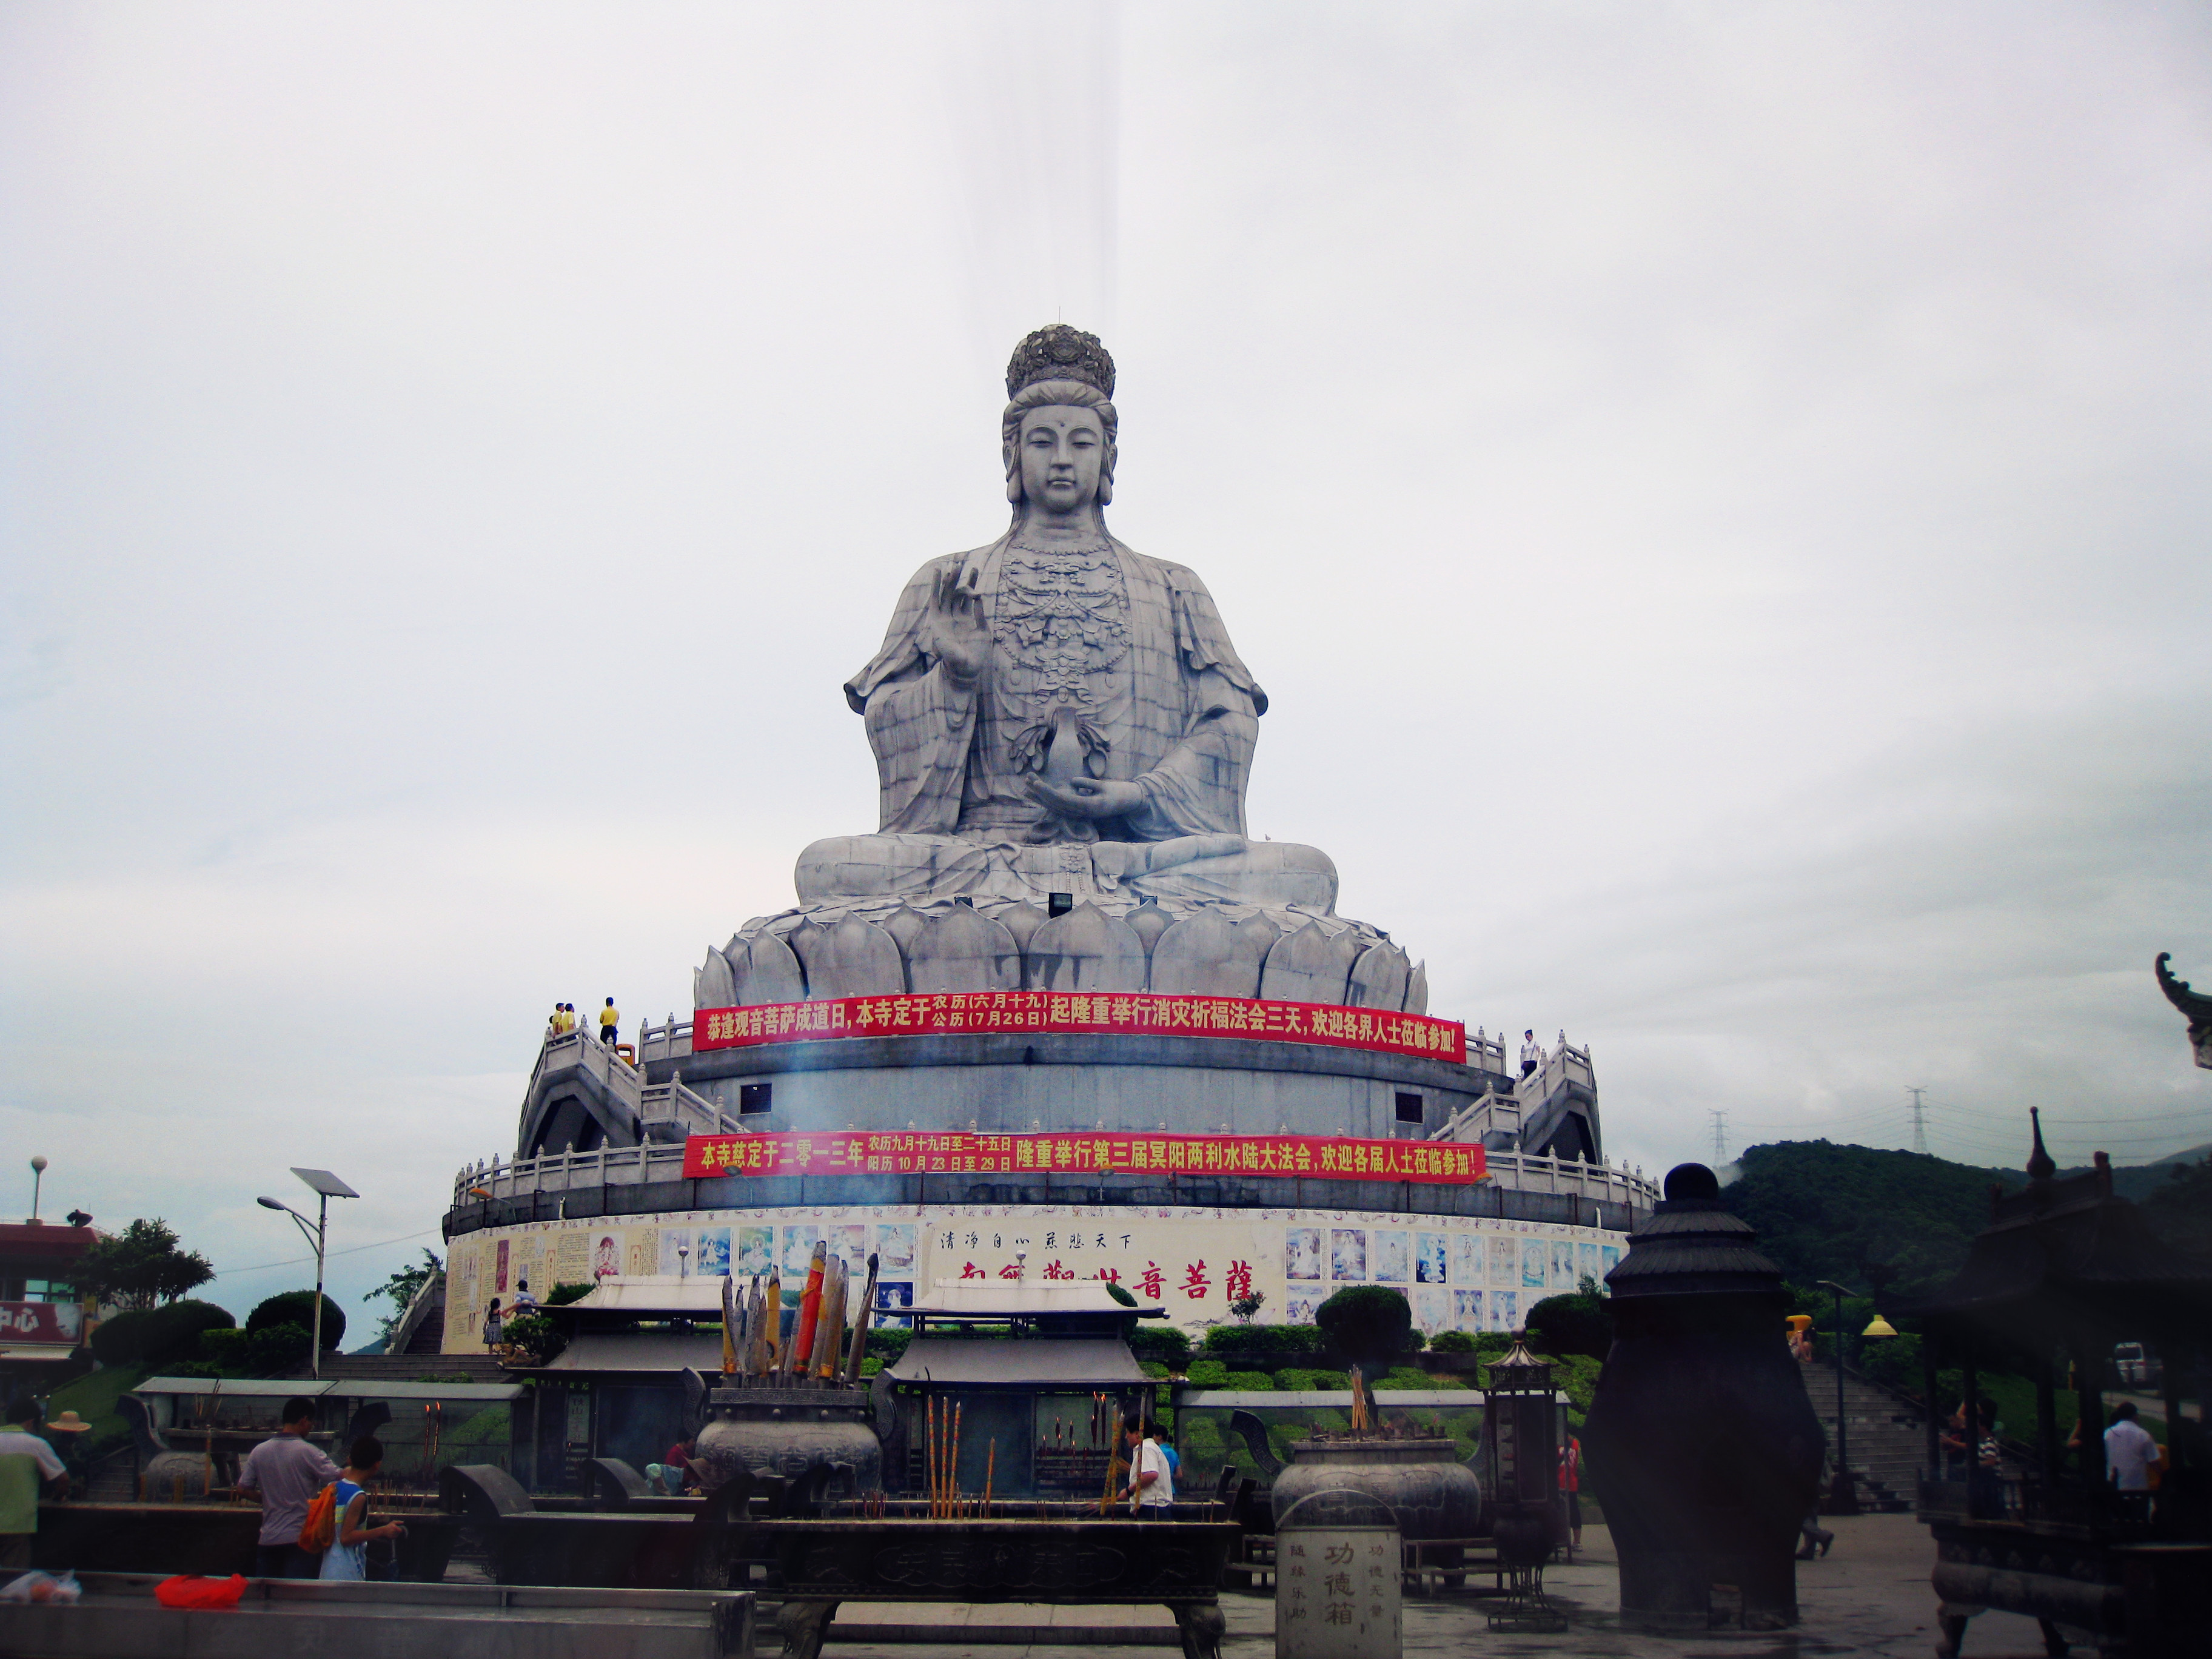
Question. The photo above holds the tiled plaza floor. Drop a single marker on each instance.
(1869, 1596)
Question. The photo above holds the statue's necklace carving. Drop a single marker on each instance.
(1063, 616)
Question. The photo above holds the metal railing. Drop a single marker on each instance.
(634, 1166)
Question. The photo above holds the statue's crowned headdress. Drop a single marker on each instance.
(1061, 353)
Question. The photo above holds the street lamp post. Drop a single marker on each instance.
(325, 1186)
(37, 1174)
(1843, 1495)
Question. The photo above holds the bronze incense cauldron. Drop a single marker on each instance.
(788, 1433)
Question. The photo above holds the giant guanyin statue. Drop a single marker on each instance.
(1055, 712)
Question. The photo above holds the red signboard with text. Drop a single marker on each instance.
(40, 1321)
(982, 1013)
(857, 1152)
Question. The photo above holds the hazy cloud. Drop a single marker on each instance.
(1714, 493)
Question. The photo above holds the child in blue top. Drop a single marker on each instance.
(348, 1555)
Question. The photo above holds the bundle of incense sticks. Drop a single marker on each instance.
(732, 1327)
(809, 1312)
(863, 1313)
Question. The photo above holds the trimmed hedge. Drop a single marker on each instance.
(298, 1308)
(1164, 1344)
(154, 1336)
(1258, 1340)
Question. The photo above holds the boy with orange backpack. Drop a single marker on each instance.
(337, 1521)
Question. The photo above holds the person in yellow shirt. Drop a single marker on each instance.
(610, 1021)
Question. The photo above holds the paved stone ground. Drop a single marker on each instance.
(1869, 1596)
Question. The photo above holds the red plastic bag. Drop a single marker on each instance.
(188, 1591)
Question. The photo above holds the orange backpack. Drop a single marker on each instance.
(321, 1528)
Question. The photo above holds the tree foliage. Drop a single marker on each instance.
(1580, 1322)
(1369, 1324)
(1862, 1216)
(400, 1289)
(298, 1308)
(2179, 1210)
(141, 1266)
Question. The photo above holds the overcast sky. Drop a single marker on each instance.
(1717, 496)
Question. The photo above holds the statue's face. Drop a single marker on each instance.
(1062, 450)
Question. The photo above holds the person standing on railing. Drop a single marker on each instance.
(610, 1023)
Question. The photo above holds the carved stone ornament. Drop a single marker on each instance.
(2195, 1008)
(1061, 353)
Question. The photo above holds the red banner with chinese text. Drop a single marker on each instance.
(859, 1151)
(981, 1013)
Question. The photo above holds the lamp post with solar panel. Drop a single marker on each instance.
(327, 1187)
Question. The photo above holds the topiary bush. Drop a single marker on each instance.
(1302, 1379)
(1164, 1344)
(277, 1350)
(298, 1308)
(1208, 1374)
(1249, 1382)
(225, 1349)
(1263, 1339)
(1453, 1342)
(561, 1295)
(1579, 1323)
(1368, 1324)
(121, 1339)
(174, 1332)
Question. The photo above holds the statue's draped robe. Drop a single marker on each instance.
(1101, 664)
(1132, 647)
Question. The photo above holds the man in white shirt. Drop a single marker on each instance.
(1152, 1479)
(27, 1466)
(1532, 1053)
(288, 1472)
(2130, 1452)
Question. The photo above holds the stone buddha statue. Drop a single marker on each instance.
(1055, 712)
(1063, 736)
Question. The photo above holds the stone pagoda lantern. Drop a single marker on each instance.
(1520, 1443)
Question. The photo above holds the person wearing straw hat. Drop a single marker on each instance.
(72, 1445)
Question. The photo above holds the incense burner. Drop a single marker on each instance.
(1432, 1493)
(788, 1432)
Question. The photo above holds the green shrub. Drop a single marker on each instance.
(1453, 1342)
(1151, 1368)
(121, 1339)
(1249, 1382)
(277, 1350)
(226, 1349)
(888, 1344)
(1298, 1379)
(1403, 1377)
(1208, 1374)
(561, 1295)
(1580, 1323)
(534, 1334)
(174, 1332)
(1368, 1324)
(1164, 1343)
(1233, 1340)
(298, 1308)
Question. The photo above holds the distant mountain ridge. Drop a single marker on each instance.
(1857, 1214)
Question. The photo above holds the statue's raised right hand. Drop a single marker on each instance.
(954, 634)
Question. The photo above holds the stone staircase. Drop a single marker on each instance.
(1887, 1436)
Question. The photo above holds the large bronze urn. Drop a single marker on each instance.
(1427, 1488)
(786, 1434)
(1702, 1444)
